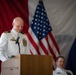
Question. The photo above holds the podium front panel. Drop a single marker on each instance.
(36, 65)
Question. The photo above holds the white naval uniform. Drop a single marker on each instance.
(59, 71)
(9, 47)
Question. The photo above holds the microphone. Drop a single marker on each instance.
(17, 40)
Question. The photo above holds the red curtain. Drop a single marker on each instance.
(9, 9)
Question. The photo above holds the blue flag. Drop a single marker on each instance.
(71, 62)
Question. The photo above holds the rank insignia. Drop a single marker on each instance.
(24, 42)
(13, 39)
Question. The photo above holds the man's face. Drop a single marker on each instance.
(18, 26)
(60, 63)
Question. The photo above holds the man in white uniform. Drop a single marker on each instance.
(60, 67)
(14, 42)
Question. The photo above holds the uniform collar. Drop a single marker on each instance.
(59, 70)
(15, 32)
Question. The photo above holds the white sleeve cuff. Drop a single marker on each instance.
(2, 58)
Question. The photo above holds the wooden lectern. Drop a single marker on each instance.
(28, 65)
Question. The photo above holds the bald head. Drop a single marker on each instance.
(18, 20)
(18, 24)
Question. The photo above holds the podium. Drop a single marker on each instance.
(28, 65)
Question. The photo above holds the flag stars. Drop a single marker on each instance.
(35, 23)
(42, 9)
(39, 37)
(44, 26)
(41, 17)
(36, 15)
(40, 23)
(49, 29)
(43, 34)
(34, 27)
(39, 20)
(35, 19)
(38, 27)
(31, 22)
(37, 32)
(32, 18)
(37, 7)
(47, 20)
(43, 30)
(37, 12)
(41, 13)
(40, 33)
(44, 22)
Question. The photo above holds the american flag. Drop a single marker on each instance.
(40, 34)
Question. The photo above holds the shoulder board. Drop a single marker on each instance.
(7, 32)
(22, 33)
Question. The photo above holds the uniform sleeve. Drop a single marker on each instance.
(3, 44)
